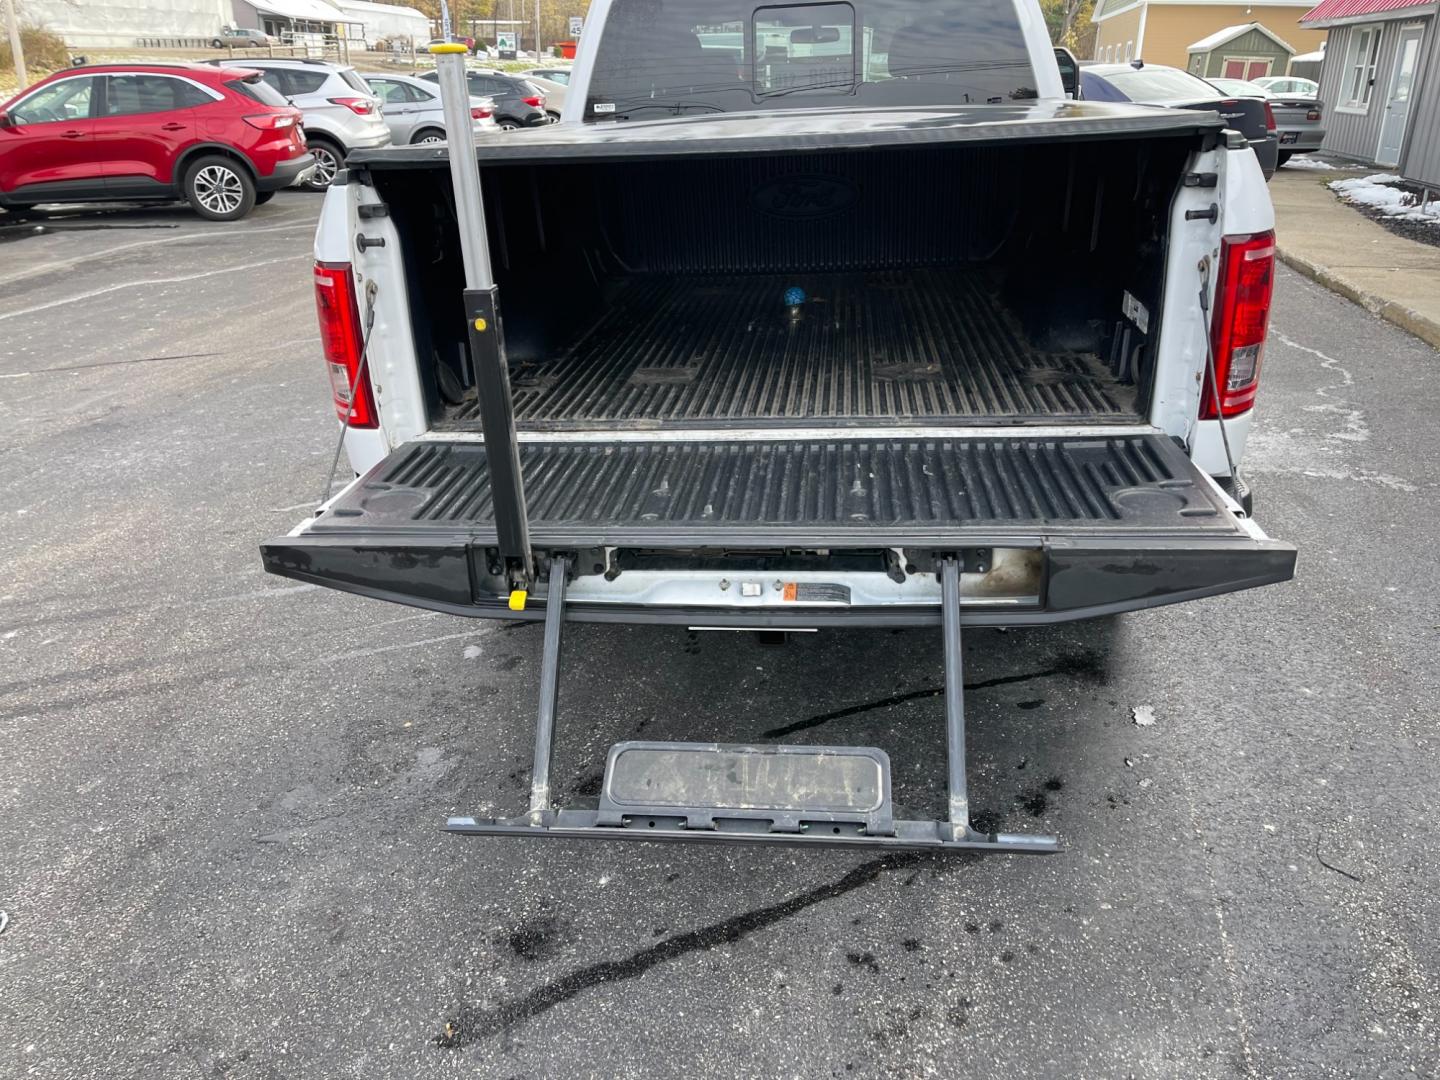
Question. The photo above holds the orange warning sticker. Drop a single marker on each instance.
(790, 590)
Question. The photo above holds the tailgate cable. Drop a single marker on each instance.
(1214, 376)
(370, 290)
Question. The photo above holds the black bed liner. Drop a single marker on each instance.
(843, 493)
(932, 344)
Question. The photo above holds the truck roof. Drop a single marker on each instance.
(802, 130)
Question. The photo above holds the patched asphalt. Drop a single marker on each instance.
(221, 792)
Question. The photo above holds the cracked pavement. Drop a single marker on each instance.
(220, 792)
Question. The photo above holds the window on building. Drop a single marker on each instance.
(1129, 50)
(1361, 53)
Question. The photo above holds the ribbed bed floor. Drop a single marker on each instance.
(932, 345)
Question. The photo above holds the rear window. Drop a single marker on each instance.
(256, 89)
(354, 81)
(1160, 84)
(685, 57)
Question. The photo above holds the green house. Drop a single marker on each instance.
(1247, 51)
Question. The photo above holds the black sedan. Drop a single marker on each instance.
(1155, 84)
(518, 103)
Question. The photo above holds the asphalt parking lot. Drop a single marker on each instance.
(220, 792)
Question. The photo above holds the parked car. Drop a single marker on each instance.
(559, 75)
(554, 93)
(237, 37)
(414, 112)
(217, 137)
(842, 344)
(1297, 116)
(341, 113)
(518, 102)
(1156, 84)
(1288, 86)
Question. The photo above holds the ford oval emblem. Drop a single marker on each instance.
(803, 196)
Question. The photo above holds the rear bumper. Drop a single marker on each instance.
(1301, 140)
(287, 173)
(1079, 579)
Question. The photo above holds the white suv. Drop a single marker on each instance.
(341, 112)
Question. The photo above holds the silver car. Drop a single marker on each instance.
(341, 112)
(413, 110)
(1297, 116)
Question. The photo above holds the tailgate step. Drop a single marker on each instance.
(778, 794)
(793, 788)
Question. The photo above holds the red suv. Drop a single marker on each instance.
(219, 138)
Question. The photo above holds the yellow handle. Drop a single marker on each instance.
(518, 598)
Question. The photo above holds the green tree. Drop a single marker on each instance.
(1069, 24)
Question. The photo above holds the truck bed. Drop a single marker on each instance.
(932, 344)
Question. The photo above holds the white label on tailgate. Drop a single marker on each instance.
(1136, 312)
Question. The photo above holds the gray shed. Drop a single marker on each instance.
(1380, 82)
(1247, 51)
(1420, 160)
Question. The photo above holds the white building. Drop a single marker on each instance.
(118, 23)
(386, 22)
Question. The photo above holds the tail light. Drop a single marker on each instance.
(342, 340)
(1269, 119)
(536, 102)
(271, 121)
(1242, 313)
(1314, 113)
(479, 113)
(360, 106)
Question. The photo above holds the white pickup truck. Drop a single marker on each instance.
(832, 315)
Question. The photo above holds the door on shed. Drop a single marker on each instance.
(1397, 104)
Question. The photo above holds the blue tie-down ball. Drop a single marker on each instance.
(794, 296)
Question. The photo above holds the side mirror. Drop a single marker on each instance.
(1069, 71)
(6, 121)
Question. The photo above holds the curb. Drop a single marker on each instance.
(1408, 319)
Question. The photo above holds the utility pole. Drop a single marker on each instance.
(16, 49)
(537, 32)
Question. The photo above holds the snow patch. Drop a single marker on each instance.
(1143, 715)
(472, 652)
(1378, 192)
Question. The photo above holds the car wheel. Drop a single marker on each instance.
(219, 189)
(509, 125)
(217, 44)
(552, 117)
(262, 197)
(428, 137)
(328, 157)
(1284, 157)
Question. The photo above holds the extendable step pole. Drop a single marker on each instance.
(482, 311)
(549, 692)
(954, 698)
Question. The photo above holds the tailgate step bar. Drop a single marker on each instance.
(751, 794)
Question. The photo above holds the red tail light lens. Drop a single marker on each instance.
(536, 102)
(478, 113)
(271, 121)
(1313, 114)
(360, 106)
(1269, 119)
(342, 339)
(1242, 314)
